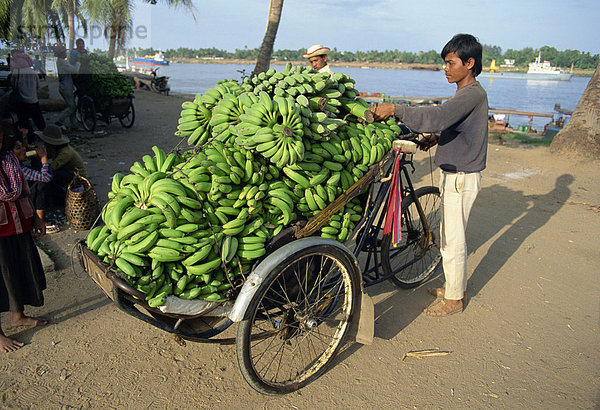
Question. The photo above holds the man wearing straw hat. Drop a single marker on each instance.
(317, 56)
(65, 161)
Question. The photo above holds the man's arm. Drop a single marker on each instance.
(45, 175)
(68, 68)
(430, 119)
(384, 111)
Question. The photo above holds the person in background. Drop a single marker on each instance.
(25, 83)
(37, 67)
(22, 279)
(24, 131)
(66, 87)
(38, 179)
(317, 56)
(79, 50)
(461, 156)
(65, 161)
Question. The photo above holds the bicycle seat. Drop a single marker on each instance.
(405, 146)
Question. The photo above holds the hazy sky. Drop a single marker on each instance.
(353, 25)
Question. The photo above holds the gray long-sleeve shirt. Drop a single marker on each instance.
(463, 124)
(25, 83)
(65, 71)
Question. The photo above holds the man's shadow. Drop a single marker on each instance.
(536, 211)
(497, 207)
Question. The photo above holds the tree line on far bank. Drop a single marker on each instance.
(581, 60)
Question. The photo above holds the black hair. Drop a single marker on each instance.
(5, 138)
(31, 136)
(465, 46)
(11, 141)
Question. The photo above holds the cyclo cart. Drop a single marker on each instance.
(102, 93)
(90, 110)
(304, 297)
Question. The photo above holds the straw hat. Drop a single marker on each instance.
(316, 50)
(53, 135)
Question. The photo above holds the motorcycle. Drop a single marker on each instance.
(159, 83)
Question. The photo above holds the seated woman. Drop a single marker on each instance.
(65, 161)
(39, 180)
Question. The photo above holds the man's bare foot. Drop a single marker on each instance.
(444, 307)
(19, 319)
(9, 345)
(441, 292)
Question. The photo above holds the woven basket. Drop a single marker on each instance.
(81, 205)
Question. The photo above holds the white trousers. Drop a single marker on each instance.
(458, 191)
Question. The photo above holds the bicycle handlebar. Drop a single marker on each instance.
(405, 146)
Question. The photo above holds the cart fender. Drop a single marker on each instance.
(267, 265)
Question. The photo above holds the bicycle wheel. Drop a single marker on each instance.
(87, 113)
(128, 118)
(297, 319)
(416, 256)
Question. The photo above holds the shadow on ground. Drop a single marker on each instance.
(517, 218)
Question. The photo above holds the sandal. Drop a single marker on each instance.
(443, 308)
(52, 229)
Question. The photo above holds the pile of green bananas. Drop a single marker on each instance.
(99, 78)
(191, 224)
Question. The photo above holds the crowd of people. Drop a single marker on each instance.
(52, 162)
(37, 164)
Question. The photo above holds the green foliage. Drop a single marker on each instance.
(99, 78)
(522, 57)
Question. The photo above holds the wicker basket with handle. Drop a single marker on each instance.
(81, 204)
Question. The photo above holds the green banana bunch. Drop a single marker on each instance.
(279, 147)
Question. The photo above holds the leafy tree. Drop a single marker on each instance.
(26, 22)
(70, 10)
(115, 16)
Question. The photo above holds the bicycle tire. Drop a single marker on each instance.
(128, 118)
(415, 258)
(87, 113)
(290, 334)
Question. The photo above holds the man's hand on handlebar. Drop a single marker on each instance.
(428, 141)
(382, 111)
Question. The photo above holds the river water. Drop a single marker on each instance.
(523, 95)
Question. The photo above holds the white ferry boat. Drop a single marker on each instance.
(538, 70)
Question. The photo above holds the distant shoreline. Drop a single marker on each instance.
(358, 64)
(355, 64)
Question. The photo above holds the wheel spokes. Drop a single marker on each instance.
(303, 312)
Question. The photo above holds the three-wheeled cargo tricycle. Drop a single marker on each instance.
(299, 302)
(90, 110)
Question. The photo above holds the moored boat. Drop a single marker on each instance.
(157, 59)
(538, 70)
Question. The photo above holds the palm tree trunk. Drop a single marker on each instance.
(581, 134)
(71, 24)
(266, 49)
(112, 40)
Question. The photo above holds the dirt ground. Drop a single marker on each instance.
(528, 337)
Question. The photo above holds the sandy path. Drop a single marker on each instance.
(528, 338)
